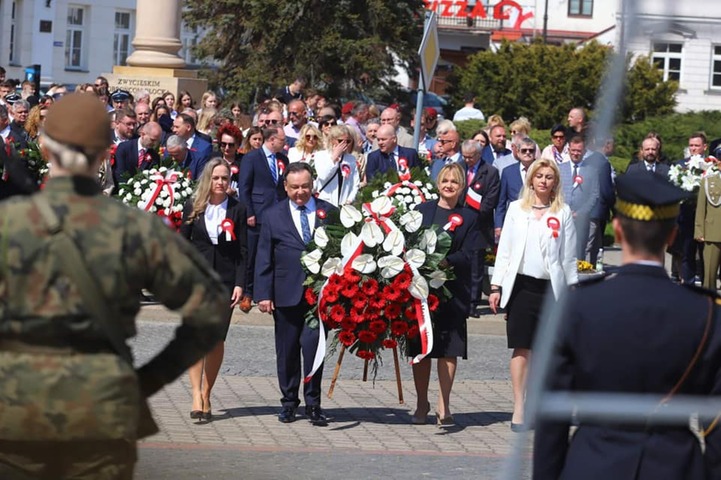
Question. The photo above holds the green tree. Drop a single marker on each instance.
(336, 44)
(543, 82)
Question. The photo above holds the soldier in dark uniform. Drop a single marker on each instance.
(71, 403)
(635, 332)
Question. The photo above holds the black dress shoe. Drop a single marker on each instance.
(315, 416)
(287, 415)
(518, 427)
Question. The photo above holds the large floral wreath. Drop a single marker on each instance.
(375, 278)
(688, 176)
(162, 191)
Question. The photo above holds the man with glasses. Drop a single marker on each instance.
(389, 155)
(449, 147)
(142, 112)
(392, 116)
(512, 178)
(139, 153)
(296, 120)
(125, 123)
(557, 150)
(184, 127)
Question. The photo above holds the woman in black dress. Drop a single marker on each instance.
(449, 325)
(216, 224)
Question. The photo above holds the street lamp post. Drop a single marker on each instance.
(545, 24)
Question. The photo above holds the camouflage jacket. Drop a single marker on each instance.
(93, 396)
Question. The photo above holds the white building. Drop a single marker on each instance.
(73, 41)
(684, 40)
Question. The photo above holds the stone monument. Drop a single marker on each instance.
(155, 65)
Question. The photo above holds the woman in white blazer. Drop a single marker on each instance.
(536, 250)
(336, 169)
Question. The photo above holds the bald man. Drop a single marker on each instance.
(389, 154)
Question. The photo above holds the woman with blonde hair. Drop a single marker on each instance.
(208, 101)
(338, 180)
(536, 251)
(205, 121)
(216, 224)
(309, 143)
(35, 121)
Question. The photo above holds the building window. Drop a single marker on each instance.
(580, 8)
(667, 58)
(74, 38)
(716, 67)
(13, 33)
(121, 43)
(189, 37)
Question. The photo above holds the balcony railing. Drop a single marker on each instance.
(469, 23)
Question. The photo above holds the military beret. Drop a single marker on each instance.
(120, 96)
(11, 98)
(646, 197)
(79, 121)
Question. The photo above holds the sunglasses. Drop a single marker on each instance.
(528, 150)
(443, 142)
(271, 122)
(311, 137)
(226, 145)
(558, 137)
(328, 124)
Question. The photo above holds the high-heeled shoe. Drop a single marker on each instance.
(442, 422)
(197, 414)
(421, 419)
(207, 415)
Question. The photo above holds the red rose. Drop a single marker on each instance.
(347, 324)
(370, 287)
(349, 290)
(391, 293)
(366, 354)
(413, 331)
(390, 343)
(402, 281)
(433, 302)
(392, 310)
(310, 296)
(346, 338)
(399, 328)
(337, 313)
(378, 326)
(367, 336)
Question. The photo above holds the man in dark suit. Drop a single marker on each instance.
(19, 109)
(650, 148)
(138, 154)
(125, 123)
(450, 150)
(483, 186)
(607, 197)
(260, 187)
(512, 181)
(637, 333)
(279, 278)
(389, 154)
(184, 127)
(496, 147)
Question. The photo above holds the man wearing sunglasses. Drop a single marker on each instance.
(296, 120)
(512, 177)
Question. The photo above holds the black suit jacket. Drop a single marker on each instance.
(379, 162)
(257, 190)
(228, 258)
(126, 160)
(487, 183)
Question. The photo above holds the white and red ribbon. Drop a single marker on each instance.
(281, 167)
(162, 182)
(404, 173)
(473, 199)
(228, 227)
(455, 220)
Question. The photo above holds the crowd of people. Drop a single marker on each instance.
(266, 181)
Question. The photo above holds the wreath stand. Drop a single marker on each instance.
(336, 372)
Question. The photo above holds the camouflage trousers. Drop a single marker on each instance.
(71, 460)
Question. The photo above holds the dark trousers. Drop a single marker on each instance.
(293, 338)
(477, 274)
(253, 237)
(690, 250)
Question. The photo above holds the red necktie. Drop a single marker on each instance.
(141, 157)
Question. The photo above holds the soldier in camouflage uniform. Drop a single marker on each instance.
(70, 405)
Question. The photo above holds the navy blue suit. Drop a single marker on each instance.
(202, 151)
(126, 161)
(636, 333)
(511, 186)
(279, 277)
(258, 191)
(685, 245)
(379, 162)
(488, 157)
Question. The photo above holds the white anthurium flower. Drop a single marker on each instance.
(349, 216)
(364, 264)
(438, 279)
(428, 241)
(331, 266)
(394, 242)
(415, 258)
(371, 234)
(411, 221)
(140, 204)
(419, 287)
(320, 237)
(390, 266)
(312, 260)
(382, 205)
(348, 243)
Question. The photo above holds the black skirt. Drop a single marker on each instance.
(524, 310)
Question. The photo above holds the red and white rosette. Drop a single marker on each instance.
(228, 227)
(320, 213)
(455, 220)
(345, 170)
(162, 182)
(404, 173)
(234, 169)
(577, 180)
(555, 225)
(281, 167)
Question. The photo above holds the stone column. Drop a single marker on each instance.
(157, 35)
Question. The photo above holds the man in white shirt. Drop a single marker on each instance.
(468, 112)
